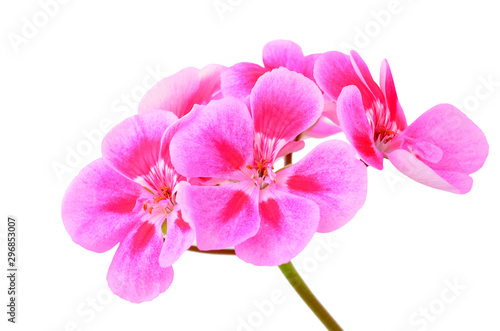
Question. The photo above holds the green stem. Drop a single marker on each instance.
(305, 293)
(217, 252)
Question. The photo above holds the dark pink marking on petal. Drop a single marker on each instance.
(354, 123)
(389, 89)
(178, 239)
(287, 224)
(269, 211)
(359, 64)
(97, 208)
(223, 216)
(135, 273)
(306, 184)
(332, 177)
(234, 206)
(142, 237)
(232, 155)
(184, 226)
(216, 141)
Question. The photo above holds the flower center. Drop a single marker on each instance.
(159, 195)
(384, 129)
(262, 173)
(162, 201)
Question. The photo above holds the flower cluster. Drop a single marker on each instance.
(199, 163)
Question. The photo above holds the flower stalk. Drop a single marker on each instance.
(216, 252)
(301, 287)
(308, 297)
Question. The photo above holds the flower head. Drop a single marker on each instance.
(440, 149)
(268, 215)
(129, 197)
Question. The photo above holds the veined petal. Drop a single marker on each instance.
(353, 120)
(283, 53)
(408, 164)
(180, 92)
(216, 142)
(97, 207)
(223, 216)
(133, 146)
(333, 71)
(238, 80)
(284, 104)
(391, 97)
(135, 273)
(287, 224)
(365, 76)
(172, 93)
(332, 177)
(179, 238)
(460, 143)
(210, 85)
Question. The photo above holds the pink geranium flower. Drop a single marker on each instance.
(129, 196)
(269, 216)
(181, 91)
(238, 80)
(440, 149)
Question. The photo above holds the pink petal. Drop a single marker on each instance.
(133, 146)
(310, 61)
(179, 92)
(364, 74)
(332, 177)
(206, 181)
(330, 111)
(354, 123)
(391, 97)
(283, 53)
(333, 71)
(287, 224)
(323, 128)
(97, 207)
(216, 142)
(223, 216)
(411, 166)
(427, 151)
(135, 273)
(210, 85)
(172, 93)
(284, 104)
(238, 80)
(291, 147)
(171, 131)
(179, 238)
(462, 144)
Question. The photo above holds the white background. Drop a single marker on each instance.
(392, 260)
